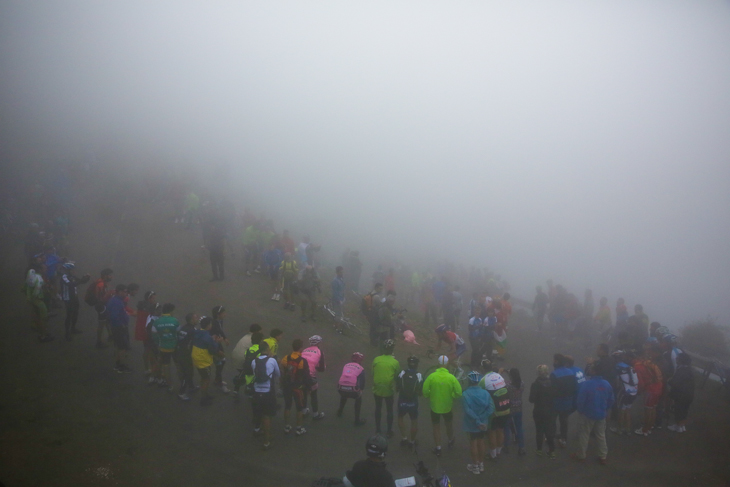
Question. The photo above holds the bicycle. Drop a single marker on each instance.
(341, 319)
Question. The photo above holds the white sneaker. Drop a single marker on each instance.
(184, 397)
(319, 415)
(305, 411)
(473, 468)
(481, 466)
(683, 429)
(301, 430)
(675, 428)
(224, 388)
(287, 429)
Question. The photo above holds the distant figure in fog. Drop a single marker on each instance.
(539, 307)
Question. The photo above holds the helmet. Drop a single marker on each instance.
(443, 360)
(486, 363)
(315, 340)
(441, 328)
(376, 446)
(671, 339)
(413, 361)
(474, 376)
(357, 357)
(388, 345)
(68, 265)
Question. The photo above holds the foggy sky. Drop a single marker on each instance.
(584, 142)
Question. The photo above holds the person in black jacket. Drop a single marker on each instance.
(542, 396)
(70, 297)
(682, 391)
(372, 472)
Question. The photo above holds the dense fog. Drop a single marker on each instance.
(583, 142)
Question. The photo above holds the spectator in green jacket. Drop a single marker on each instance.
(442, 388)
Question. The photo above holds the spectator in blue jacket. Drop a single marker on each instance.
(478, 408)
(565, 387)
(595, 398)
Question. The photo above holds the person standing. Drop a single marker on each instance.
(288, 273)
(369, 308)
(495, 384)
(204, 349)
(385, 370)
(70, 297)
(164, 333)
(409, 385)
(144, 309)
(565, 384)
(97, 296)
(386, 326)
(338, 296)
(351, 385)
(682, 392)
(294, 380)
(315, 361)
(478, 408)
(266, 372)
(516, 387)
(216, 248)
(539, 307)
(308, 288)
(594, 401)
(542, 396)
(119, 322)
(216, 331)
(441, 387)
(183, 356)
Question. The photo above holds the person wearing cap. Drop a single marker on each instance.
(441, 387)
(494, 383)
(385, 370)
(315, 360)
(70, 297)
(542, 395)
(595, 398)
(119, 323)
(478, 407)
(371, 472)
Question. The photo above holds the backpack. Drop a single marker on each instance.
(366, 304)
(501, 401)
(409, 384)
(292, 375)
(91, 297)
(248, 360)
(260, 375)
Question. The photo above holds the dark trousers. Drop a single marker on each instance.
(315, 399)
(216, 263)
(379, 412)
(563, 417)
(184, 366)
(344, 396)
(219, 372)
(72, 314)
(544, 430)
(477, 350)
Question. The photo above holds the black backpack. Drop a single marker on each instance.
(250, 355)
(410, 384)
(260, 375)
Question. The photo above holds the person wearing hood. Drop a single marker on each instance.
(478, 408)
